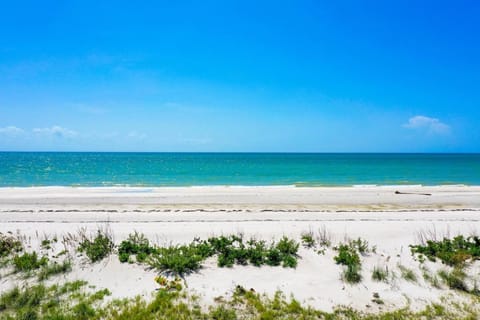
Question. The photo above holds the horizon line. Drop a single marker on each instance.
(247, 152)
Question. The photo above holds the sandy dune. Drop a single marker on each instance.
(387, 220)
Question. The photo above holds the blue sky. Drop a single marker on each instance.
(306, 76)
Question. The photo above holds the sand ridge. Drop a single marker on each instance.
(177, 215)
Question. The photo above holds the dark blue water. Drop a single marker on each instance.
(188, 169)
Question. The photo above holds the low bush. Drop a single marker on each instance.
(348, 256)
(230, 250)
(255, 252)
(289, 261)
(178, 260)
(28, 262)
(308, 239)
(453, 252)
(98, 247)
(136, 244)
(123, 257)
(274, 257)
(287, 247)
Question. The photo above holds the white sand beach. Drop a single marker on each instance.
(388, 220)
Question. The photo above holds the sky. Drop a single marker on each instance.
(240, 76)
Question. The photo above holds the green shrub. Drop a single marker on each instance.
(178, 260)
(28, 262)
(287, 246)
(289, 261)
(256, 252)
(348, 256)
(141, 256)
(308, 239)
(453, 252)
(136, 244)
(223, 243)
(288, 249)
(273, 257)
(204, 248)
(97, 248)
(242, 255)
(230, 250)
(226, 259)
(123, 257)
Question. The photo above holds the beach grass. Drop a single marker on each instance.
(455, 279)
(54, 268)
(9, 244)
(380, 274)
(407, 273)
(73, 301)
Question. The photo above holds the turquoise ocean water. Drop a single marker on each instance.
(249, 169)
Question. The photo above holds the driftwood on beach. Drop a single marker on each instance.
(422, 194)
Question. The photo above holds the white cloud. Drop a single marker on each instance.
(55, 131)
(11, 131)
(432, 125)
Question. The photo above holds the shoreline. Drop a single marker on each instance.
(299, 185)
(246, 199)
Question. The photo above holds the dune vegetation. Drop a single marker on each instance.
(35, 299)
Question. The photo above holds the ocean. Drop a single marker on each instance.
(23, 169)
